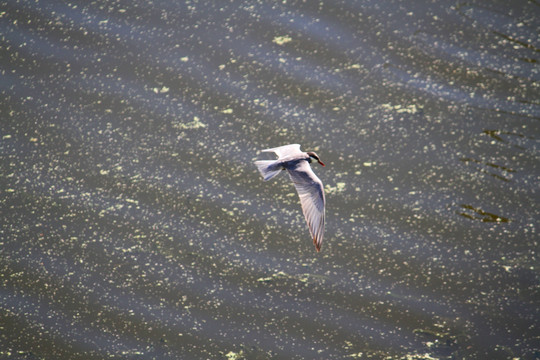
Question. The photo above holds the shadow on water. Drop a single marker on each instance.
(135, 224)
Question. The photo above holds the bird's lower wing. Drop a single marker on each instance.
(311, 193)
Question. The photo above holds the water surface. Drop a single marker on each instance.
(134, 224)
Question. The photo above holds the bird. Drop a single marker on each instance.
(309, 187)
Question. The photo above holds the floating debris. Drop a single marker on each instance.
(195, 124)
(231, 355)
(340, 187)
(162, 90)
(282, 40)
(410, 109)
(479, 214)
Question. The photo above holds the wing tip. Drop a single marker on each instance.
(317, 244)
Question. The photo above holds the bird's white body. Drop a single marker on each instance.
(308, 185)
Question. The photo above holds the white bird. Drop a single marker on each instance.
(308, 185)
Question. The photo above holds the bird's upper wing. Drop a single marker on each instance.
(311, 192)
(284, 150)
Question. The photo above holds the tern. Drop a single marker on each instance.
(308, 185)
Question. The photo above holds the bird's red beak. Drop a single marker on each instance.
(320, 162)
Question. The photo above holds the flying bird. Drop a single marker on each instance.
(308, 185)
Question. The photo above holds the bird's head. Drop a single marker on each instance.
(312, 155)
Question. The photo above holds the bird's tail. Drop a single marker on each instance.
(268, 168)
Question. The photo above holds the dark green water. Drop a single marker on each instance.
(135, 225)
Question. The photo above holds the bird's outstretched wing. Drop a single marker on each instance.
(285, 150)
(311, 192)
